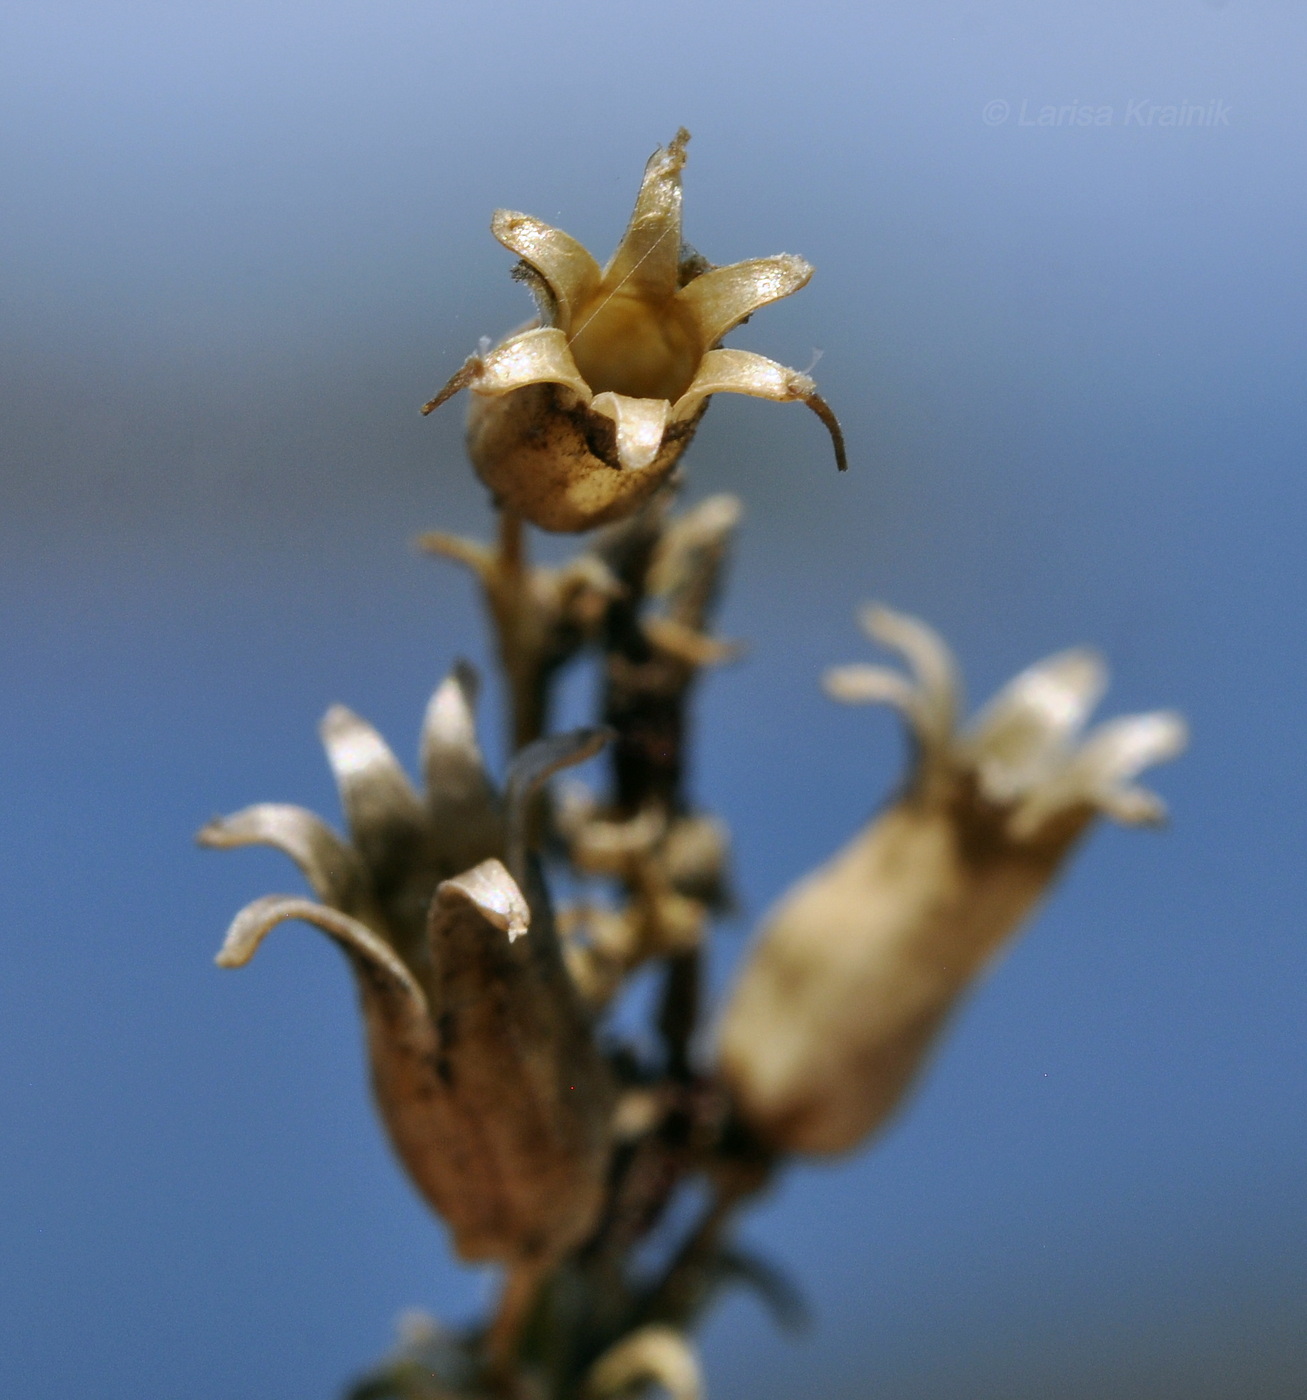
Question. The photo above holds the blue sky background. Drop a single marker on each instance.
(241, 243)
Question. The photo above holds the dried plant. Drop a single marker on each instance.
(544, 1142)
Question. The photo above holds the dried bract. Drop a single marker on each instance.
(577, 419)
(859, 965)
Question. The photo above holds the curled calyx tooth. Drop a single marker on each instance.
(860, 964)
(579, 418)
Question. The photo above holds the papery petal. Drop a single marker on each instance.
(653, 1353)
(743, 372)
(374, 956)
(530, 770)
(1100, 772)
(537, 356)
(696, 855)
(472, 554)
(688, 561)
(722, 298)
(640, 426)
(494, 893)
(375, 792)
(640, 423)
(452, 764)
(872, 685)
(608, 847)
(1034, 719)
(581, 590)
(648, 257)
(538, 762)
(687, 644)
(938, 693)
(575, 806)
(1133, 806)
(570, 272)
(702, 529)
(327, 863)
(1115, 752)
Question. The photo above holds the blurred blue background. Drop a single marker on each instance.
(241, 243)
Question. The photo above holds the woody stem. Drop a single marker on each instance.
(508, 589)
(521, 1285)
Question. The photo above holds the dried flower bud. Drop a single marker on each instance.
(578, 419)
(483, 1065)
(861, 962)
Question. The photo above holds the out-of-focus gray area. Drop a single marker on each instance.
(240, 244)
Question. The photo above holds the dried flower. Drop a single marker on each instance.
(577, 419)
(483, 1064)
(861, 962)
